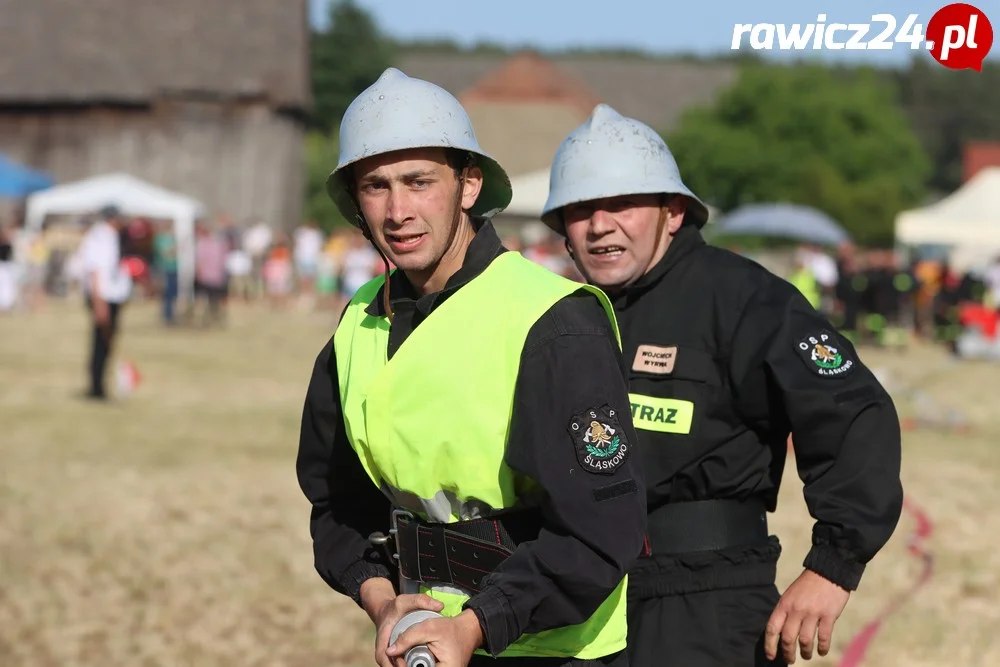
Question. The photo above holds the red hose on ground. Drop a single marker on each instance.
(858, 645)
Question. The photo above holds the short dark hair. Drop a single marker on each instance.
(458, 160)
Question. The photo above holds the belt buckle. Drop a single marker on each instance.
(382, 540)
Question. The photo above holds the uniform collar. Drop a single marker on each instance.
(686, 239)
(484, 248)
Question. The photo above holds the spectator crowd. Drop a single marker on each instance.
(873, 295)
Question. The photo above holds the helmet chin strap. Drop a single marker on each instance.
(456, 217)
(661, 221)
(565, 233)
(367, 232)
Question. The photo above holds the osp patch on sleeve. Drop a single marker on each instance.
(823, 355)
(599, 440)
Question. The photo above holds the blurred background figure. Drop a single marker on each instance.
(824, 270)
(308, 246)
(804, 279)
(239, 268)
(211, 252)
(992, 280)
(8, 271)
(360, 265)
(279, 273)
(928, 274)
(137, 249)
(165, 262)
(257, 243)
(37, 255)
(847, 292)
(328, 272)
(231, 234)
(232, 239)
(106, 288)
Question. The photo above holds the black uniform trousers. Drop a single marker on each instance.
(616, 660)
(708, 609)
(717, 628)
(102, 339)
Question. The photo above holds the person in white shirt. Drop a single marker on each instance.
(359, 266)
(8, 271)
(256, 242)
(106, 287)
(824, 269)
(308, 247)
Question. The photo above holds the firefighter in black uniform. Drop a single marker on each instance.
(476, 398)
(727, 360)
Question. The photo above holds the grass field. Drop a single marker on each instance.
(168, 529)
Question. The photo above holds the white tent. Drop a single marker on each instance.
(135, 198)
(967, 221)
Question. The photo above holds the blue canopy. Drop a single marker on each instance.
(792, 221)
(17, 181)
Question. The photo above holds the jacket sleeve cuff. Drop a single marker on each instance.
(359, 573)
(830, 564)
(496, 618)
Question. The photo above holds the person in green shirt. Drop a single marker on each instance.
(165, 261)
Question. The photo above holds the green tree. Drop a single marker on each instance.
(321, 159)
(832, 139)
(948, 109)
(345, 59)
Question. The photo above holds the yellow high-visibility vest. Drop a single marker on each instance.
(430, 425)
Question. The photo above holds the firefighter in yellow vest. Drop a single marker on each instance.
(805, 281)
(473, 401)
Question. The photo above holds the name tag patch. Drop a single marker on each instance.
(655, 359)
(664, 415)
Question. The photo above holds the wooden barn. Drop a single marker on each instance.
(204, 97)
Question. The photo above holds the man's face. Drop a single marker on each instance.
(408, 199)
(617, 240)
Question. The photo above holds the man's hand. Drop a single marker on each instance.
(809, 602)
(102, 313)
(385, 608)
(451, 640)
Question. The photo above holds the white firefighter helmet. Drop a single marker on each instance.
(611, 155)
(398, 112)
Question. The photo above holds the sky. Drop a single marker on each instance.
(660, 26)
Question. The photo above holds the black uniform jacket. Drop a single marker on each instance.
(747, 361)
(593, 521)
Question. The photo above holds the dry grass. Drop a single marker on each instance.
(169, 529)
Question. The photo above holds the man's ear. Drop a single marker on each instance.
(675, 213)
(473, 186)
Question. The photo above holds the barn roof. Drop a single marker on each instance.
(653, 91)
(529, 77)
(133, 51)
(524, 108)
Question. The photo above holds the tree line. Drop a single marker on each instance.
(857, 142)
